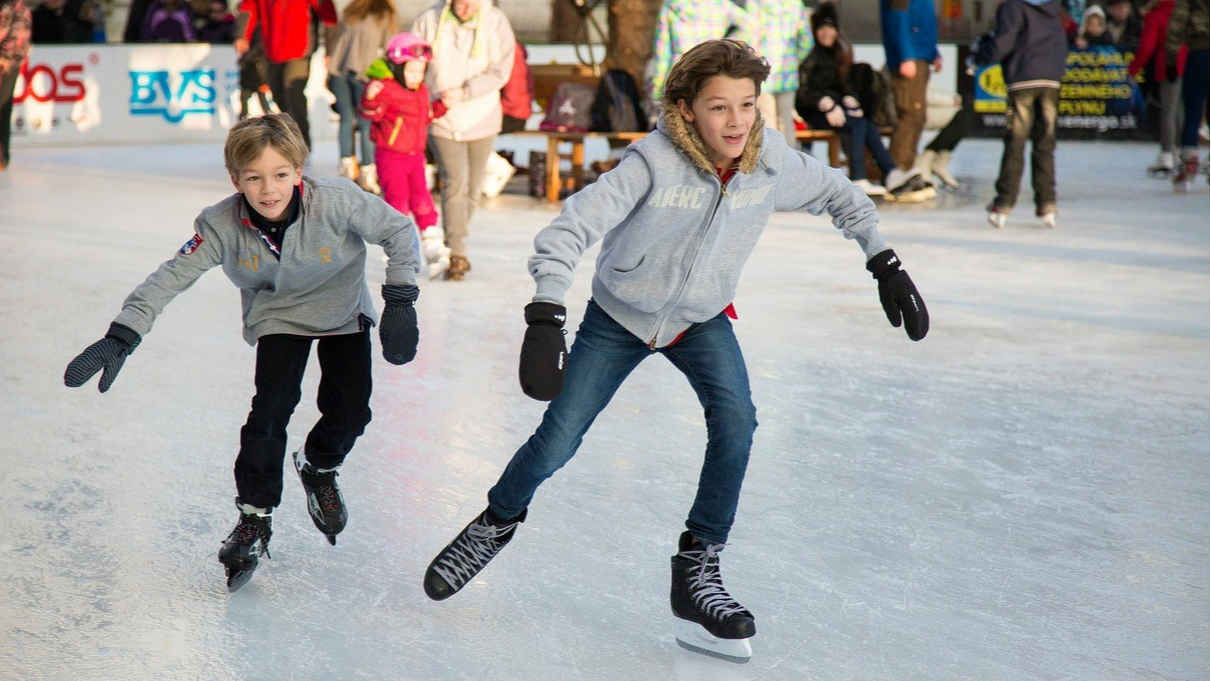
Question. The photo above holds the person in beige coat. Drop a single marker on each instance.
(473, 47)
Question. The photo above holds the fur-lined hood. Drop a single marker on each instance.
(686, 138)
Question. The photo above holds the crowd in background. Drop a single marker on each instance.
(813, 82)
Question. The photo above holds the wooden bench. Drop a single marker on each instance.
(570, 146)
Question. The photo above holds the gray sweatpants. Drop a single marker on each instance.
(462, 165)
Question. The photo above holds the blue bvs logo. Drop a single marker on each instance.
(172, 94)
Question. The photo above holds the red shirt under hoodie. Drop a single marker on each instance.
(286, 25)
(399, 117)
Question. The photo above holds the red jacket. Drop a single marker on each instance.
(1152, 43)
(517, 96)
(286, 25)
(399, 117)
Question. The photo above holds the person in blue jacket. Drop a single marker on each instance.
(910, 41)
(1028, 41)
(677, 219)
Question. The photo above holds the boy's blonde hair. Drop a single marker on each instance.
(691, 71)
(250, 137)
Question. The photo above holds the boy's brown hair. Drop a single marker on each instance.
(250, 137)
(691, 71)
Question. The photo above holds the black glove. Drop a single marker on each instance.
(397, 331)
(543, 352)
(898, 295)
(1171, 71)
(109, 354)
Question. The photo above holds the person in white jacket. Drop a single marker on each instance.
(473, 46)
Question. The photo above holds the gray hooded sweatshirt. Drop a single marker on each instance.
(674, 239)
(317, 288)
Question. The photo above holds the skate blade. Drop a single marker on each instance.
(694, 638)
(238, 577)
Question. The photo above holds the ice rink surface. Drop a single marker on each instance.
(1021, 496)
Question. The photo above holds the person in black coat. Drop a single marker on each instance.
(825, 99)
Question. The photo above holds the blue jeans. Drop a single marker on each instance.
(1194, 94)
(602, 356)
(860, 134)
(348, 92)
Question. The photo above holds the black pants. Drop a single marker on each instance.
(8, 83)
(343, 401)
(288, 82)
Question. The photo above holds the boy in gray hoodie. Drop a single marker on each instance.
(678, 218)
(295, 246)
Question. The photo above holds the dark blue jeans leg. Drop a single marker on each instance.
(602, 356)
(1194, 95)
(280, 362)
(343, 397)
(346, 111)
(874, 142)
(855, 130)
(710, 358)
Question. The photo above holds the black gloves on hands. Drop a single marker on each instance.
(543, 352)
(397, 330)
(898, 295)
(106, 355)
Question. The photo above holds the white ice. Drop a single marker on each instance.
(1021, 496)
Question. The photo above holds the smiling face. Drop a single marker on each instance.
(826, 36)
(723, 113)
(268, 183)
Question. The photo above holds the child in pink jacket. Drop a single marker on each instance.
(396, 102)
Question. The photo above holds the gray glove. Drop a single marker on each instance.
(106, 355)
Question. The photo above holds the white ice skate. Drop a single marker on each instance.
(436, 252)
(997, 216)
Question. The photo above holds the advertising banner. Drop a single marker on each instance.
(103, 94)
(1097, 98)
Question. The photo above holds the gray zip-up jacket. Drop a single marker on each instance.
(317, 288)
(674, 240)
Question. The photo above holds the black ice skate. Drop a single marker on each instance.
(242, 550)
(709, 620)
(463, 558)
(324, 500)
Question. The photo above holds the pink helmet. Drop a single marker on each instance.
(408, 47)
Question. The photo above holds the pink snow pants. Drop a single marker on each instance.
(402, 177)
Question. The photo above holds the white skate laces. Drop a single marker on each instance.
(705, 583)
(471, 552)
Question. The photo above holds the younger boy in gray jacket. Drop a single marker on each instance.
(677, 218)
(295, 246)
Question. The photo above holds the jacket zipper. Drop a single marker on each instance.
(689, 270)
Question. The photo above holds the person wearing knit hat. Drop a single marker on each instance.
(826, 99)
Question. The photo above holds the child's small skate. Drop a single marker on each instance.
(243, 548)
(436, 252)
(325, 503)
(709, 620)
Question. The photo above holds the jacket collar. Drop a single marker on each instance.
(686, 138)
